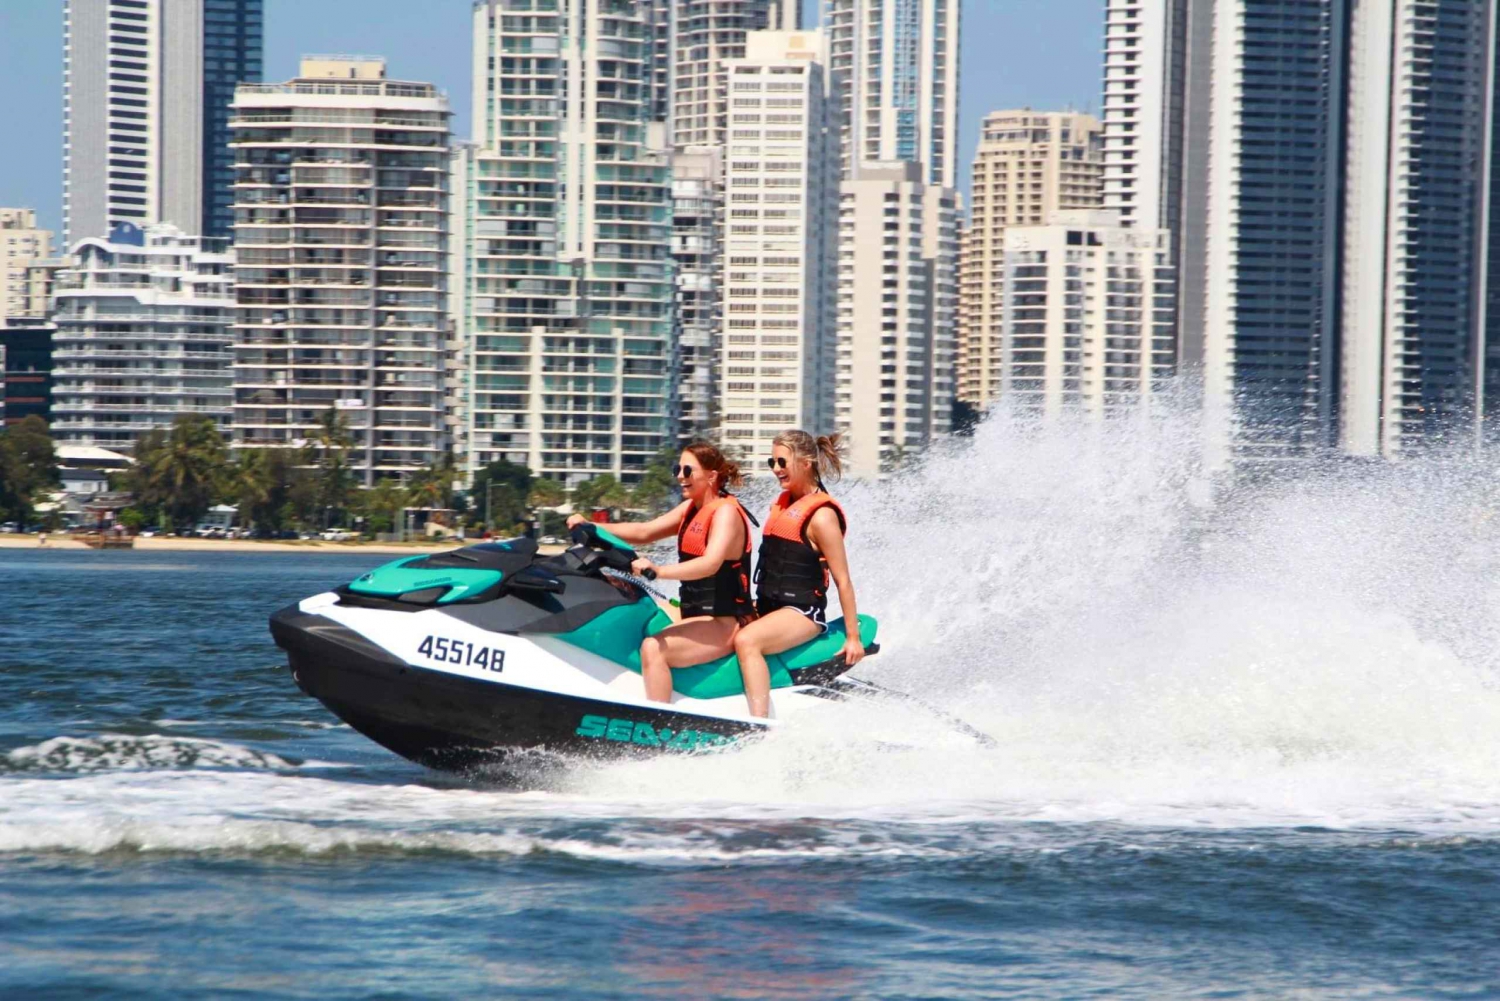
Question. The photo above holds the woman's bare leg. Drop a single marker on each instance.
(781, 630)
(690, 642)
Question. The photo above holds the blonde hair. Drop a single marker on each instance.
(713, 461)
(825, 451)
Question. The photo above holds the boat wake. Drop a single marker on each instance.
(1311, 652)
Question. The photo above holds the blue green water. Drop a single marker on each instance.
(178, 820)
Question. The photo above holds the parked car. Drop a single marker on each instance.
(10, 527)
(338, 535)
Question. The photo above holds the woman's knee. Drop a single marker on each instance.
(745, 642)
(652, 649)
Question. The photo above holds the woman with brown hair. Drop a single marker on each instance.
(713, 564)
(802, 547)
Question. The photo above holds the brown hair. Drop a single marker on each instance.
(713, 461)
(825, 451)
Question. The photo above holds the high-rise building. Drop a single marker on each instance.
(1158, 84)
(458, 377)
(1342, 294)
(1085, 312)
(1272, 279)
(142, 336)
(895, 67)
(23, 289)
(1415, 205)
(569, 285)
(1146, 46)
(896, 309)
(1029, 165)
(697, 204)
(146, 92)
(776, 360)
(700, 37)
(341, 229)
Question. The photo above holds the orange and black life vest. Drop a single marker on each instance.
(790, 570)
(726, 592)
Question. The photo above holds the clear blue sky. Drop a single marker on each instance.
(1016, 53)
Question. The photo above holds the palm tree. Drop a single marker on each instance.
(382, 505)
(335, 479)
(251, 482)
(546, 493)
(183, 471)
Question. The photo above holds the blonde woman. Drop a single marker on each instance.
(802, 548)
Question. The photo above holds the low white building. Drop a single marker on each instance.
(1087, 313)
(142, 336)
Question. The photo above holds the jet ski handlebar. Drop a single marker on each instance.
(595, 546)
(592, 535)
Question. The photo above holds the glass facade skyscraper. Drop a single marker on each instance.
(232, 40)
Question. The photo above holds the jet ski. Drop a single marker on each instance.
(469, 657)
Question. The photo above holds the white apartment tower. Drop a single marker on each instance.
(142, 336)
(341, 228)
(1085, 312)
(568, 278)
(146, 92)
(1029, 165)
(1145, 104)
(22, 244)
(781, 184)
(895, 66)
(699, 37)
(897, 307)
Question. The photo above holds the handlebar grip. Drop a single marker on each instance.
(648, 573)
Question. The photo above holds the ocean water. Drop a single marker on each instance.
(1244, 749)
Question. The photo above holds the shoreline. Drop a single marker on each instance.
(168, 544)
(173, 544)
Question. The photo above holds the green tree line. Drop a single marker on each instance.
(182, 472)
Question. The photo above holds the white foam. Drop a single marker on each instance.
(117, 752)
(1322, 653)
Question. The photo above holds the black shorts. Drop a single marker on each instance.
(816, 614)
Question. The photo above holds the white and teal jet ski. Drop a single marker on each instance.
(466, 657)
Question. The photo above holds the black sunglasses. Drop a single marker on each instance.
(777, 460)
(683, 470)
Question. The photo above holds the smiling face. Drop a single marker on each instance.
(792, 471)
(695, 481)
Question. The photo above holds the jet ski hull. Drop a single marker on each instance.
(454, 722)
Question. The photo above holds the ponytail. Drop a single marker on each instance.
(830, 458)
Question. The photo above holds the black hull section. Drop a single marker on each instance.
(450, 722)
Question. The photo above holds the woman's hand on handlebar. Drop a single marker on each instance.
(574, 520)
(643, 567)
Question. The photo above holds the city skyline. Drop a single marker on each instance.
(1014, 53)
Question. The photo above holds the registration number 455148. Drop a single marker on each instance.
(462, 653)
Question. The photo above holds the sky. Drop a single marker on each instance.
(1042, 54)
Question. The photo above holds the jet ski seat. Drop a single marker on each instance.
(615, 637)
